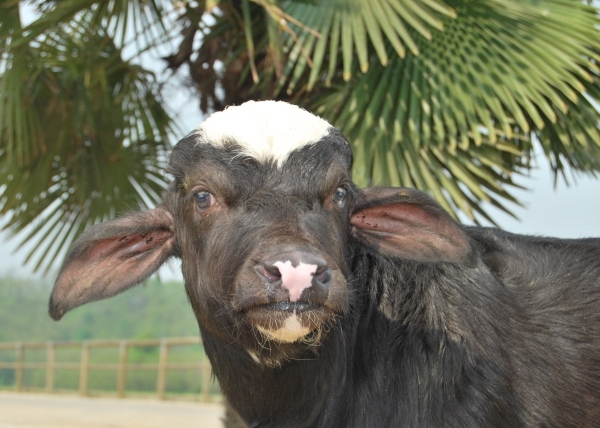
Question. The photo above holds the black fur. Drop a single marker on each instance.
(433, 324)
(508, 337)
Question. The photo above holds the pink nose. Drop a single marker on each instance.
(295, 279)
(296, 271)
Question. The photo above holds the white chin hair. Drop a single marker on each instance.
(291, 331)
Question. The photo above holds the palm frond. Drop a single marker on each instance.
(121, 19)
(498, 74)
(84, 134)
(357, 29)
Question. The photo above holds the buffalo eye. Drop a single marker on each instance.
(204, 200)
(339, 196)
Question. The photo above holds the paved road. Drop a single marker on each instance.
(61, 411)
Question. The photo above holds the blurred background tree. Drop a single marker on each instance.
(451, 97)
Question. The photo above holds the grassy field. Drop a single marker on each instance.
(152, 310)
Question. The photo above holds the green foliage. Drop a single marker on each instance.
(353, 28)
(458, 113)
(84, 132)
(151, 310)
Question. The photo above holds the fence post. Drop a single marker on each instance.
(52, 364)
(84, 368)
(161, 382)
(50, 358)
(20, 357)
(122, 370)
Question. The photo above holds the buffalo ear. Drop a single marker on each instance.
(111, 257)
(409, 224)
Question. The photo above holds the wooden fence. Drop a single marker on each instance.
(121, 367)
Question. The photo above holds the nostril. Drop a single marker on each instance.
(297, 271)
(323, 277)
(271, 273)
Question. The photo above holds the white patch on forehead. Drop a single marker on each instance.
(291, 331)
(265, 130)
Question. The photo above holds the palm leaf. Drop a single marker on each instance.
(98, 133)
(120, 18)
(465, 109)
(356, 27)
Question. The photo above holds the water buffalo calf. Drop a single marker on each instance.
(324, 305)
